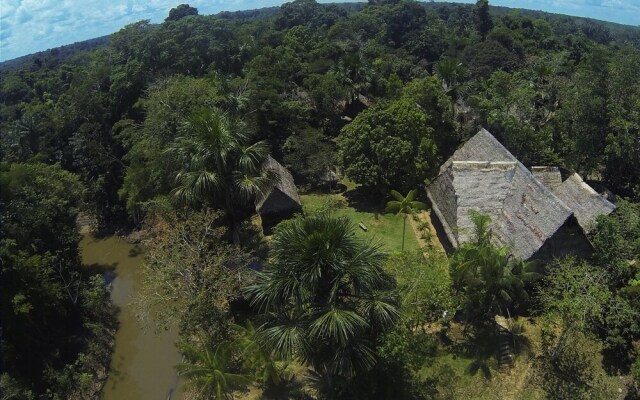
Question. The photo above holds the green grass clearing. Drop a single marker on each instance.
(386, 228)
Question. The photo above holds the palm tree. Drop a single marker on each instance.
(405, 206)
(451, 72)
(491, 279)
(355, 74)
(257, 356)
(217, 165)
(324, 296)
(207, 371)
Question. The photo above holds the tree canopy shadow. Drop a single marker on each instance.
(364, 200)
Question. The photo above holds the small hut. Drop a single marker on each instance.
(282, 202)
(354, 107)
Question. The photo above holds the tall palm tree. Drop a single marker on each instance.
(450, 71)
(405, 206)
(218, 166)
(324, 296)
(207, 371)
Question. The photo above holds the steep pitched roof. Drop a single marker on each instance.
(585, 202)
(284, 196)
(485, 176)
(481, 147)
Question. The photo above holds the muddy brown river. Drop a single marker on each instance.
(142, 367)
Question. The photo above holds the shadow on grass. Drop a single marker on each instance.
(365, 201)
(480, 345)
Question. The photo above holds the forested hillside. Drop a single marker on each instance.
(382, 93)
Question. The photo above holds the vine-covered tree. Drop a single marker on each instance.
(192, 274)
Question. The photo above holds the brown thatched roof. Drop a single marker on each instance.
(585, 202)
(284, 196)
(483, 175)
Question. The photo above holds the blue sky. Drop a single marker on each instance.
(27, 26)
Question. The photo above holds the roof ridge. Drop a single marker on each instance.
(502, 165)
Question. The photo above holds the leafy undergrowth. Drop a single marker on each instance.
(466, 368)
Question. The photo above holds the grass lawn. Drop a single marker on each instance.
(386, 228)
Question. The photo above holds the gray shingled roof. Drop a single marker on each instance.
(585, 202)
(548, 176)
(485, 176)
(284, 196)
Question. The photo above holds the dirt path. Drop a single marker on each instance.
(434, 242)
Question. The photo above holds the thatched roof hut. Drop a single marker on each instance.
(585, 202)
(283, 198)
(483, 175)
(350, 109)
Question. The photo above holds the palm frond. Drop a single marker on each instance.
(338, 326)
(380, 308)
(253, 157)
(206, 369)
(194, 186)
(411, 195)
(286, 341)
(349, 360)
(253, 187)
(396, 195)
(393, 206)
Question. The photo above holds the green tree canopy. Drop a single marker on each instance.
(50, 308)
(181, 11)
(324, 295)
(389, 145)
(167, 105)
(484, 23)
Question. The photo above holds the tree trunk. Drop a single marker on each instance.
(404, 226)
(233, 222)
